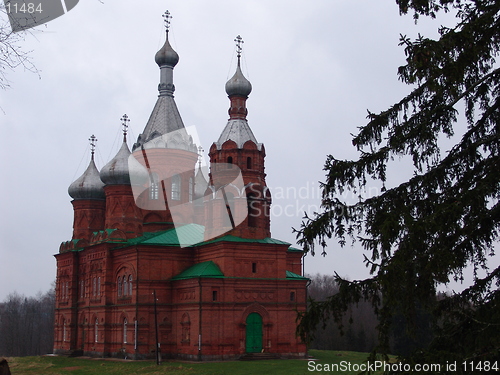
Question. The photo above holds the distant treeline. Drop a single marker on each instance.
(27, 324)
(359, 332)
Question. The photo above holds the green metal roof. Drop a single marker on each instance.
(230, 238)
(295, 250)
(291, 275)
(185, 235)
(205, 269)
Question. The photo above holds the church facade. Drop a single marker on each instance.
(165, 258)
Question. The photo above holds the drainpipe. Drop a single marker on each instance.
(156, 330)
(199, 321)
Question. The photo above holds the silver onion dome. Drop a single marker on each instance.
(238, 84)
(88, 185)
(166, 55)
(120, 169)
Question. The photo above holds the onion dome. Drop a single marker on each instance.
(166, 55)
(119, 169)
(88, 185)
(238, 84)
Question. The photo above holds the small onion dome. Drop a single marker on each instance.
(88, 185)
(166, 55)
(238, 84)
(119, 169)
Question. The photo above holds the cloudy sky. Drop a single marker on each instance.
(316, 66)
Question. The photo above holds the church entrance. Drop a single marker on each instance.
(254, 333)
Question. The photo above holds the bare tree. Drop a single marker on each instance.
(27, 324)
(12, 55)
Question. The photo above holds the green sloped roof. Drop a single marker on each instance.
(291, 275)
(185, 235)
(230, 238)
(295, 250)
(205, 269)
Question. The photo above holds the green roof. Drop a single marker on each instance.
(295, 250)
(185, 235)
(230, 238)
(291, 275)
(205, 269)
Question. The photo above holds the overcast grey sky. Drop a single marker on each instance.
(316, 66)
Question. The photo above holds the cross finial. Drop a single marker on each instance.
(200, 156)
(92, 141)
(166, 18)
(239, 41)
(125, 120)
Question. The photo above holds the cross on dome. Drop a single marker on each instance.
(239, 41)
(92, 141)
(125, 120)
(167, 17)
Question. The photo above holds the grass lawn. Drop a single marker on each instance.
(85, 366)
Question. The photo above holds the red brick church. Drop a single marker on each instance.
(165, 258)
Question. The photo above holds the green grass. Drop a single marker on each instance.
(85, 366)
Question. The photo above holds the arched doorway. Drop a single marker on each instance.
(254, 333)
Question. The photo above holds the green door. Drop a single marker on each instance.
(254, 333)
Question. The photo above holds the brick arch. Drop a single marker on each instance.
(257, 308)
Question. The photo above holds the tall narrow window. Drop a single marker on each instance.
(190, 189)
(64, 330)
(229, 161)
(249, 163)
(176, 187)
(125, 330)
(254, 267)
(94, 286)
(125, 286)
(99, 286)
(82, 288)
(96, 330)
(119, 286)
(67, 290)
(154, 188)
(130, 285)
(214, 295)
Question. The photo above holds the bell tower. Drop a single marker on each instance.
(238, 146)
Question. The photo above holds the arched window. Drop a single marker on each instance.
(249, 163)
(96, 330)
(130, 285)
(125, 286)
(190, 189)
(119, 286)
(253, 210)
(176, 187)
(125, 330)
(154, 188)
(64, 330)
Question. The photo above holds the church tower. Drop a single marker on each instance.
(167, 151)
(89, 200)
(238, 147)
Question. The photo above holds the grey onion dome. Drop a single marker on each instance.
(88, 185)
(238, 84)
(166, 55)
(124, 169)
